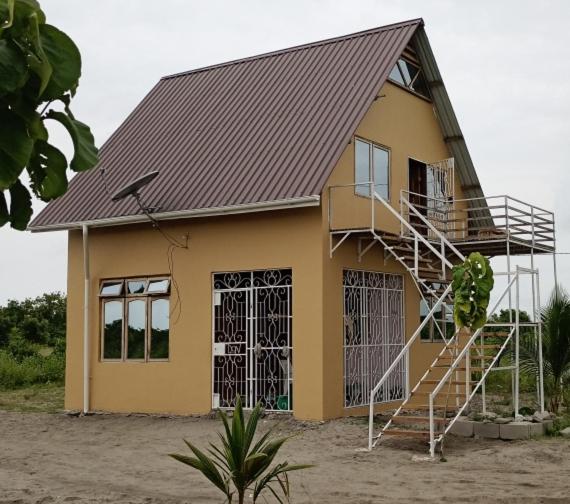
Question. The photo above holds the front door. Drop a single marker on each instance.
(252, 347)
(431, 193)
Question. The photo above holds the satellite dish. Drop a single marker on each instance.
(133, 187)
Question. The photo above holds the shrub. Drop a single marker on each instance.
(30, 370)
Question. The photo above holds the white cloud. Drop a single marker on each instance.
(506, 66)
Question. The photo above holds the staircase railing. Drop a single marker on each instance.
(446, 263)
(465, 353)
(404, 354)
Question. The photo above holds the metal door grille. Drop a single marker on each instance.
(440, 191)
(373, 335)
(253, 339)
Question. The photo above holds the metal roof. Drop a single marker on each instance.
(260, 129)
(261, 132)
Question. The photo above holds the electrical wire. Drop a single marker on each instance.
(173, 244)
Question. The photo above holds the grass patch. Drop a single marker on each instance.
(46, 398)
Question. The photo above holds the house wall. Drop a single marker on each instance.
(406, 125)
(183, 385)
(296, 239)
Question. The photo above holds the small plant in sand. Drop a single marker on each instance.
(239, 465)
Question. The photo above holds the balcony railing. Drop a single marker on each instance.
(492, 218)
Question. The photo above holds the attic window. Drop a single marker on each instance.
(409, 75)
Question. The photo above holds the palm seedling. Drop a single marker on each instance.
(555, 318)
(240, 465)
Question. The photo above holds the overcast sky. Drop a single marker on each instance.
(506, 65)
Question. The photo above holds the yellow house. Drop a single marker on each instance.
(308, 206)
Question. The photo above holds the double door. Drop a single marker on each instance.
(252, 340)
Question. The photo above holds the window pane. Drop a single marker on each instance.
(112, 288)
(381, 168)
(159, 329)
(420, 85)
(424, 310)
(409, 71)
(362, 167)
(395, 75)
(158, 286)
(136, 286)
(113, 330)
(136, 329)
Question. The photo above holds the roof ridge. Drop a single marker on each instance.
(362, 33)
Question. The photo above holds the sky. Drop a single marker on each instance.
(506, 66)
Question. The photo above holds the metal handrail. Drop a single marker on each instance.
(458, 360)
(417, 235)
(398, 358)
(433, 229)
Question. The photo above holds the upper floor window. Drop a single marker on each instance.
(371, 168)
(135, 319)
(410, 75)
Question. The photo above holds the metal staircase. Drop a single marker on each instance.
(431, 233)
(442, 394)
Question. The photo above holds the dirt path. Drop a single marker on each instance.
(118, 459)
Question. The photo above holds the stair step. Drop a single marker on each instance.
(476, 347)
(415, 407)
(406, 433)
(459, 368)
(413, 419)
(420, 259)
(495, 334)
(435, 382)
(473, 357)
(441, 392)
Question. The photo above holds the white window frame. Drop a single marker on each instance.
(366, 193)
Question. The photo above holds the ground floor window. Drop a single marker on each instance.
(440, 325)
(373, 335)
(252, 339)
(135, 317)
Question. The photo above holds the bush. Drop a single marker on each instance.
(30, 370)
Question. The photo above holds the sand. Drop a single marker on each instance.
(122, 459)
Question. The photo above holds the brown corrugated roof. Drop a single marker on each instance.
(261, 129)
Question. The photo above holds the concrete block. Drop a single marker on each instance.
(515, 430)
(548, 425)
(565, 432)
(536, 429)
(486, 430)
(463, 428)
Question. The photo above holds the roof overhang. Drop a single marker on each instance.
(286, 204)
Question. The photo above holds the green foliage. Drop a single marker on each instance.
(555, 349)
(40, 66)
(30, 370)
(32, 341)
(472, 285)
(240, 464)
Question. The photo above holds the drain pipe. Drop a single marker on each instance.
(86, 319)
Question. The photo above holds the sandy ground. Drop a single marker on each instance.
(110, 458)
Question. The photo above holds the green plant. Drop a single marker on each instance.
(239, 464)
(39, 66)
(555, 318)
(472, 285)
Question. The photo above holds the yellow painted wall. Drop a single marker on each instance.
(408, 127)
(296, 239)
(264, 240)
